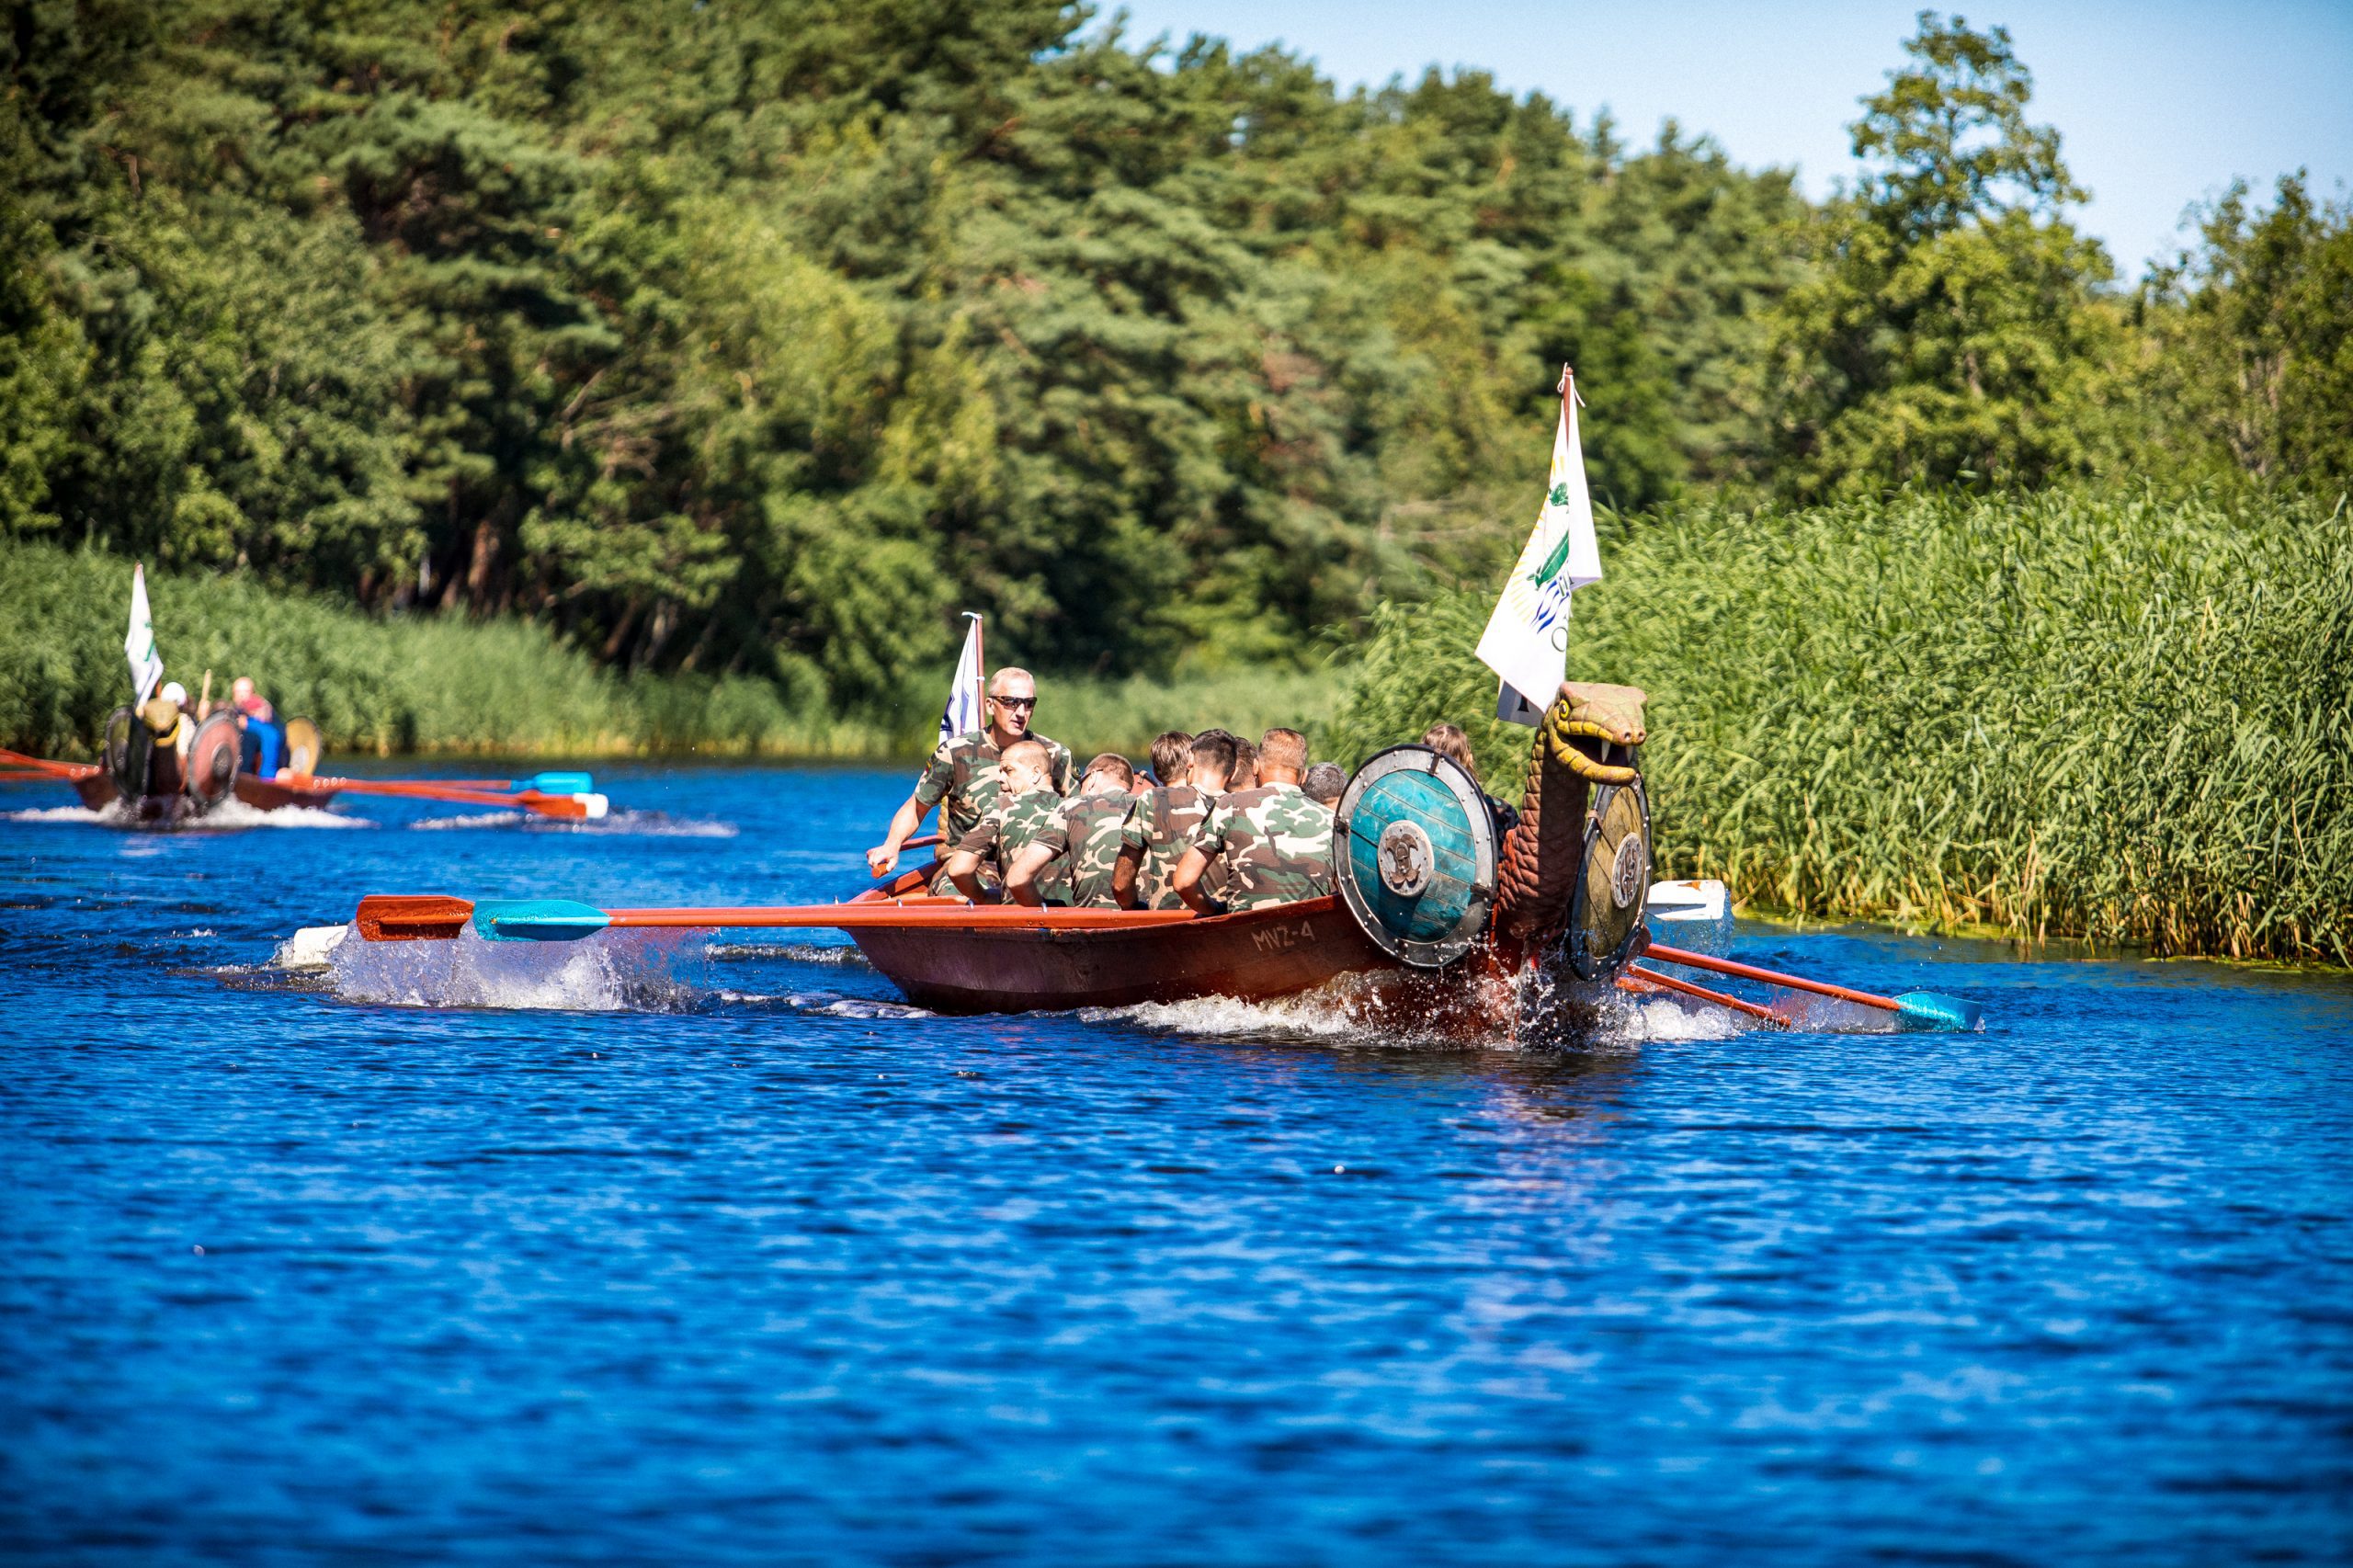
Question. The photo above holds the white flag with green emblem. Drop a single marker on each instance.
(139, 642)
(1527, 640)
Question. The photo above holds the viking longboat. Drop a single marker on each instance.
(1431, 907)
(162, 788)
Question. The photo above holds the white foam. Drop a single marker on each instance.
(227, 817)
(611, 972)
(841, 954)
(237, 813)
(634, 824)
(64, 814)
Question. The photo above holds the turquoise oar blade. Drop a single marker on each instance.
(1940, 1012)
(537, 920)
(560, 784)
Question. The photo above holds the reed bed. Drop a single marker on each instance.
(2126, 718)
(449, 684)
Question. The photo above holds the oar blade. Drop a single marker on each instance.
(1933, 1011)
(410, 918)
(560, 783)
(537, 920)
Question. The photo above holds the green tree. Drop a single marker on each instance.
(1951, 334)
(2250, 341)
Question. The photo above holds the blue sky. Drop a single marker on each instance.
(2158, 104)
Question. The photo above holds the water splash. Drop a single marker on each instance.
(612, 972)
(628, 825)
(842, 955)
(229, 816)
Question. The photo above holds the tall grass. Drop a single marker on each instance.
(440, 683)
(2122, 716)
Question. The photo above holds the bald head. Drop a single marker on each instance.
(1024, 764)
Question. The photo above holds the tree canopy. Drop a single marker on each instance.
(761, 338)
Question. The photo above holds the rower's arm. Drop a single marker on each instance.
(963, 869)
(883, 859)
(1186, 882)
(1021, 877)
(1123, 876)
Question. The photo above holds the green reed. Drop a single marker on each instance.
(2128, 718)
(447, 684)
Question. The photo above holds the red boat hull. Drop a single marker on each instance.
(1253, 956)
(267, 795)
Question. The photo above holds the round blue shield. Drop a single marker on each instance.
(1414, 851)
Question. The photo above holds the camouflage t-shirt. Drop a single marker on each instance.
(1162, 827)
(1275, 843)
(1095, 824)
(1010, 827)
(963, 772)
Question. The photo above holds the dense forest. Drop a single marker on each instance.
(757, 340)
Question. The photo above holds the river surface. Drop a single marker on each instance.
(739, 1259)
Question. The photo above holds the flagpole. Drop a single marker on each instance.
(980, 666)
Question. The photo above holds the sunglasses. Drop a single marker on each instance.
(1025, 704)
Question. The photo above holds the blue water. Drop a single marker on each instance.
(771, 1270)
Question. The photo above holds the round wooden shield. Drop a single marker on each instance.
(127, 748)
(212, 756)
(1413, 852)
(1613, 881)
(303, 747)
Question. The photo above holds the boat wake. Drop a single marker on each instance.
(632, 824)
(229, 816)
(842, 955)
(651, 973)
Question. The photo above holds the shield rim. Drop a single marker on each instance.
(1445, 950)
(214, 724)
(130, 774)
(1583, 963)
(316, 744)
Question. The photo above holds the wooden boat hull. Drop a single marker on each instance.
(1252, 957)
(269, 795)
(97, 792)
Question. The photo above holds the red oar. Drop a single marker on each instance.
(42, 767)
(1921, 1006)
(1668, 983)
(571, 807)
(386, 917)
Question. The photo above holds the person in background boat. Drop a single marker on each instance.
(261, 741)
(1025, 803)
(169, 732)
(1275, 843)
(962, 777)
(1449, 740)
(1324, 782)
(1079, 849)
(1192, 772)
(1245, 772)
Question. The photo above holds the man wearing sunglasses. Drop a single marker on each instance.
(963, 772)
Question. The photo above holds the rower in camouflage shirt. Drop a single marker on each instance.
(1025, 804)
(962, 778)
(1192, 771)
(1274, 842)
(1080, 845)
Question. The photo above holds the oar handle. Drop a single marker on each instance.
(1737, 1004)
(1770, 977)
(47, 768)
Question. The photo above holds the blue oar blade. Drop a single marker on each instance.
(537, 920)
(561, 784)
(1940, 1012)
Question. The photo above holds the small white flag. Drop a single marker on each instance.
(963, 714)
(139, 642)
(1527, 640)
